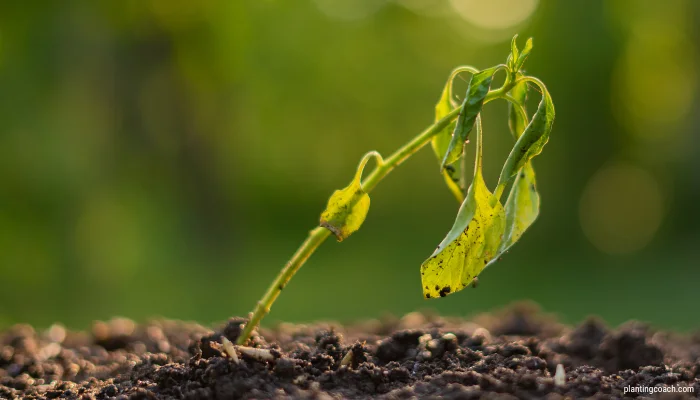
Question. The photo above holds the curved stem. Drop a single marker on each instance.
(518, 107)
(319, 235)
(365, 160)
(536, 81)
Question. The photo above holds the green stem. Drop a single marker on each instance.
(316, 237)
(320, 234)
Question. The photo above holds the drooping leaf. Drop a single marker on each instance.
(522, 207)
(347, 208)
(471, 243)
(478, 88)
(523, 203)
(533, 139)
(441, 141)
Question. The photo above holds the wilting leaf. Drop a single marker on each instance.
(441, 141)
(523, 204)
(479, 86)
(533, 139)
(522, 207)
(471, 243)
(347, 208)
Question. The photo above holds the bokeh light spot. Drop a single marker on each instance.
(495, 14)
(621, 209)
(655, 81)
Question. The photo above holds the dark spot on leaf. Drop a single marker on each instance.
(437, 287)
(445, 291)
(427, 295)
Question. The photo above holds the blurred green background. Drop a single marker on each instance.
(165, 158)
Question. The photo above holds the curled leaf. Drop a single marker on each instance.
(523, 204)
(522, 207)
(479, 86)
(441, 141)
(347, 208)
(533, 139)
(471, 243)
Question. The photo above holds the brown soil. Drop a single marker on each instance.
(510, 354)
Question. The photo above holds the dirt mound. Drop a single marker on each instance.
(510, 354)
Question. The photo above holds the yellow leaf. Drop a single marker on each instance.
(347, 208)
(472, 242)
(457, 262)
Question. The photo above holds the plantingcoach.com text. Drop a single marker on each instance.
(658, 389)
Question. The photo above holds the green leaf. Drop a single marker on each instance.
(523, 204)
(522, 207)
(513, 56)
(533, 139)
(441, 141)
(523, 55)
(471, 243)
(347, 208)
(479, 86)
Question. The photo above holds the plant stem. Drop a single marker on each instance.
(320, 234)
(316, 237)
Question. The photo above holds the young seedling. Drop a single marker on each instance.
(484, 227)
